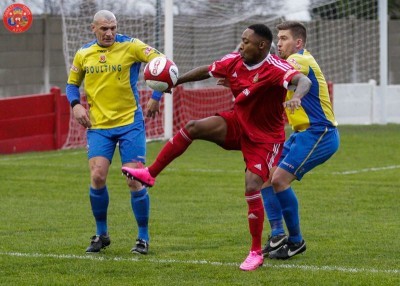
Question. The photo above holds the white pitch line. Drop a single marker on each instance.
(241, 171)
(374, 169)
(201, 262)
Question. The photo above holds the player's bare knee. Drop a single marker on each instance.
(191, 128)
(250, 188)
(134, 185)
(278, 184)
(98, 179)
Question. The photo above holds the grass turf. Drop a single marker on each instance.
(350, 219)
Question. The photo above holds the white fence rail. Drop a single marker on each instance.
(362, 103)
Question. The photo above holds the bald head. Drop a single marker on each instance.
(104, 15)
(104, 26)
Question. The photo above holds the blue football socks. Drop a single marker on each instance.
(99, 202)
(290, 211)
(140, 203)
(274, 211)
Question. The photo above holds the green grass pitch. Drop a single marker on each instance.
(350, 219)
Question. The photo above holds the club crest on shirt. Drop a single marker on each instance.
(102, 58)
(148, 51)
(255, 79)
(294, 64)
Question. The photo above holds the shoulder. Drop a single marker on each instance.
(86, 49)
(119, 38)
(230, 57)
(296, 61)
(276, 62)
(301, 58)
(88, 45)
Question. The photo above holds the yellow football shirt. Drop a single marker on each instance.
(316, 108)
(110, 75)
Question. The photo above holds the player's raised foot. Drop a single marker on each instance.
(288, 250)
(97, 243)
(141, 247)
(273, 243)
(139, 174)
(253, 261)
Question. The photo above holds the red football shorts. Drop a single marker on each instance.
(259, 157)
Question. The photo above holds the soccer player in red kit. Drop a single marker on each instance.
(258, 81)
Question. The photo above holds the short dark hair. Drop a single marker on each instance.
(297, 29)
(261, 30)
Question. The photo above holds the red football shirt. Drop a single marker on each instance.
(259, 93)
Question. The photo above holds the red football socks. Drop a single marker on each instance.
(255, 216)
(174, 148)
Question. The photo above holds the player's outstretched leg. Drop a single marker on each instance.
(140, 174)
(175, 147)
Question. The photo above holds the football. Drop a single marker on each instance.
(161, 74)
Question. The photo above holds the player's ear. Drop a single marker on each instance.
(299, 43)
(265, 45)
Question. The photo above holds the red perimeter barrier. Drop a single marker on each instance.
(41, 122)
(33, 122)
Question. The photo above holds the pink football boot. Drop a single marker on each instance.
(139, 174)
(252, 262)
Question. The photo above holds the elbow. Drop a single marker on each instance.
(307, 82)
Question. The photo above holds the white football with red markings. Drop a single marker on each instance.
(161, 74)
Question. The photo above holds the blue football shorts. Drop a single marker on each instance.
(131, 140)
(307, 149)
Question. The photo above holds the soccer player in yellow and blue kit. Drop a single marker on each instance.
(314, 140)
(109, 67)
